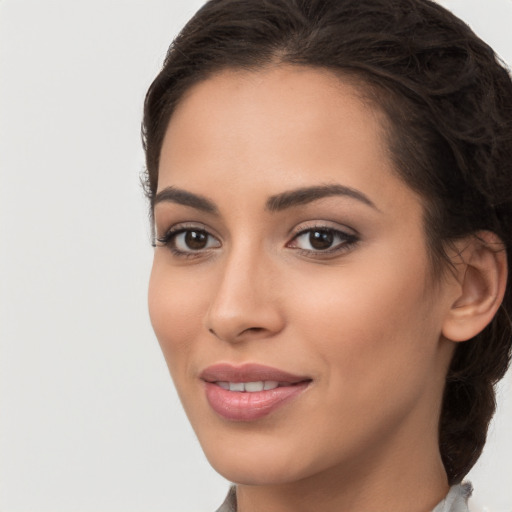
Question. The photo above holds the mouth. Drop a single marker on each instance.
(250, 392)
(252, 387)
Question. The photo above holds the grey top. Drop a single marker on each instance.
(456, 500)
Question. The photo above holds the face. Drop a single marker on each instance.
(290, 254)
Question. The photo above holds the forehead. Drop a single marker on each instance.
(297, 96)
(277, 126)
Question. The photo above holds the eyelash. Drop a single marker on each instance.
(347, 241)
(169, 240)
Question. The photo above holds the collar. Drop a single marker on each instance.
(456, 500)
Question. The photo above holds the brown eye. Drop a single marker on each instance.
(321, 240)
(191, 240)
(196, 240)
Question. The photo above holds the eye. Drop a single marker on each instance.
(187, 241)
(322, 240)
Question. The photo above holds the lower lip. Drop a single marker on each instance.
(247, 406)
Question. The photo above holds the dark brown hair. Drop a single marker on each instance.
(448, 102)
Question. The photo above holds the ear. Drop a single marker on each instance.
(481, 269)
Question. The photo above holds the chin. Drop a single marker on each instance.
(242, 463)
(251, 473)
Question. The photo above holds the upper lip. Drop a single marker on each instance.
(250, 372)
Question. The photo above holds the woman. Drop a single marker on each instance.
(331, 188)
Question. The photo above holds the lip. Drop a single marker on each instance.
(250, 406)
(249, 372)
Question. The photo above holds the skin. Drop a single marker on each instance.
(365, 322)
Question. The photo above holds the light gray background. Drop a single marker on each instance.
(88, 417)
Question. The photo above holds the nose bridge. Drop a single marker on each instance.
(243, 304)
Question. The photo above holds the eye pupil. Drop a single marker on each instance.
(321, 239)
(196, 239)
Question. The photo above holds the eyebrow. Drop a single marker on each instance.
(302, 196)
(180, 196)
(276, 203)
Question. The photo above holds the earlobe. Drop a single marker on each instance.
(481, 264)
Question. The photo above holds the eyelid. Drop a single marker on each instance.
(166, 240)
(349, 237)
(183, 226)
(323, 225)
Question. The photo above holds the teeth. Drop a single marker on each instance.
(254, 386)
(236, 386)
(249, 387)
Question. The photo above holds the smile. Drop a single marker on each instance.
(249, 387)
(249, 392)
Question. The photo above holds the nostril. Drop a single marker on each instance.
(242, 333)
(254, 329)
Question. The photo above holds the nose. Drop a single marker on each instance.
(245, 304)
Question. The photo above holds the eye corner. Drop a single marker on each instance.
(322, 241)
(186, 240)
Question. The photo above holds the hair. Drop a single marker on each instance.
(448, 104)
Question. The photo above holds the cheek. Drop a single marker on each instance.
(370, 322)
(374, 341)
(175, 309)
